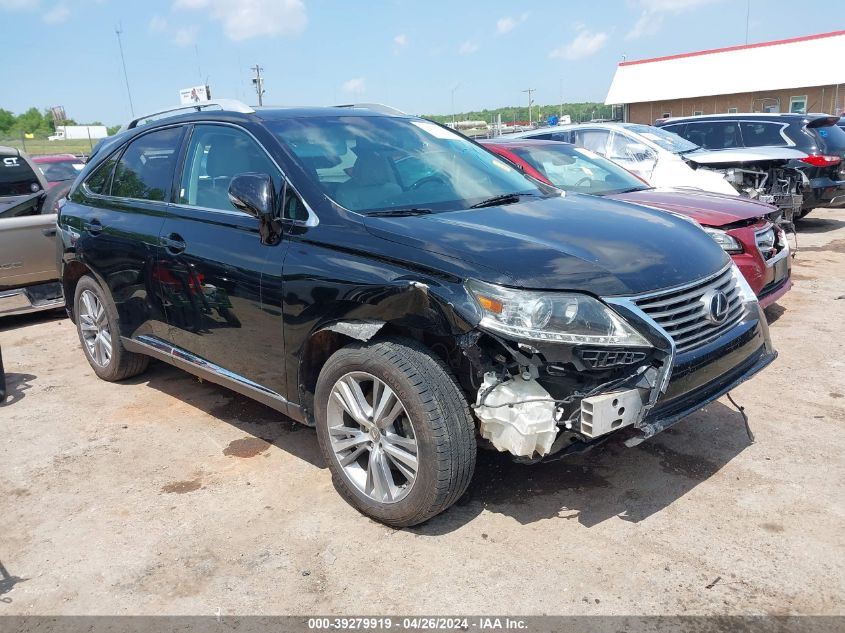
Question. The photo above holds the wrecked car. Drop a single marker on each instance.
(803, 166)
(400, 288)
(664, 159)
(740, 226)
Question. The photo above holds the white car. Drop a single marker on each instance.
(664, 159)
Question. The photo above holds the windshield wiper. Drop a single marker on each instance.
(399, 213)
(508, 198)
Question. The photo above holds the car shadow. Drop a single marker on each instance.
(10, 323)
(609, 481)
(16, 386)
(251, 417)
(810, 224)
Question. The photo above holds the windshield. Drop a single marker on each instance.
(576, 169)
(63, 170)
(666, 140)
(17, 177)
(372, 163)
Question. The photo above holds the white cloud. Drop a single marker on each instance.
(586, 43)
(185, 36)
(244, 19)
(653, 12)
(401, 40)
(56, 15)
(354, 86)
(508, 23)
(158, 24)
(468, 48)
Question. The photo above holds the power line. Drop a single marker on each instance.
(118, 31)
(258, 82)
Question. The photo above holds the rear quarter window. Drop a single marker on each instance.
(763, 134)
(99, 182)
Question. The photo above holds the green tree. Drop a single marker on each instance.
(7, 120)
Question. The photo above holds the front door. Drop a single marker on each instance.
(213, 261)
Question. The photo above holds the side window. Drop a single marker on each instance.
(294, 209)
(100, 180)
(216, 154)
(762, 134)
(145, 170)
(593, 140)
(625, 148)
(713, 134)
(561, 136)
(545, 136)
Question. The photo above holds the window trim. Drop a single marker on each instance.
(119, 152)
(698, 112)
(732, 111)
(312, 220)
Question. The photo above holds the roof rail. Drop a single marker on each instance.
(375, 107)
(229, 105)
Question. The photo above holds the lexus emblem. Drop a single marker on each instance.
(716, 306)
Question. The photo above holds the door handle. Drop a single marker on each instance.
(49, 232)
(93, 227)
(173, 243)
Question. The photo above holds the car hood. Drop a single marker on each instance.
(743, 155)
(710, 209)
(571, 242)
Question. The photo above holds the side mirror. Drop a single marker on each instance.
(253, 194)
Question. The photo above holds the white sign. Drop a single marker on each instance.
(197, 94)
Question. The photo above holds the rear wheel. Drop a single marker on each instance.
(97, 326)
(395, 430)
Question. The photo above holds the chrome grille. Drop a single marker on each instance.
(684, 315)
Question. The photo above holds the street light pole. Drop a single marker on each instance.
(458, 85)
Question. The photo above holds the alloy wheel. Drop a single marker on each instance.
(372, 437)
(94, 326)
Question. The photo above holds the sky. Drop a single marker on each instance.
(412, 55)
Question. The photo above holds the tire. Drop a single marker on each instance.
(433, 408)
(802, 214)
(120, 363)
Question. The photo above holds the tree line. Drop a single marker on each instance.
(37, 122)
(579, 112)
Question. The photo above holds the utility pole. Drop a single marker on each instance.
(258, 82)
(118, 31)
(530, 92)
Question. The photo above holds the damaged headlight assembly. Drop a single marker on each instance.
(554, 317)
(517, 414)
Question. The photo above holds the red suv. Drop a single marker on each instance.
(739, 225)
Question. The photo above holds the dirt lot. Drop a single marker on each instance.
(165, 495)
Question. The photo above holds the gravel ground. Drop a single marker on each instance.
(166, 495)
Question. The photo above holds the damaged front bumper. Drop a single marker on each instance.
(555, 403)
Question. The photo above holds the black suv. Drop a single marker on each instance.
(399, 287)
(818, 135)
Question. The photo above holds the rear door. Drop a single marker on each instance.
(213, 260)
(116, 221)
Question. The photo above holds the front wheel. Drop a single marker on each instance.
(395, 430)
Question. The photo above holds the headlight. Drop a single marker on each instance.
(552, 316)
(729, 243)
